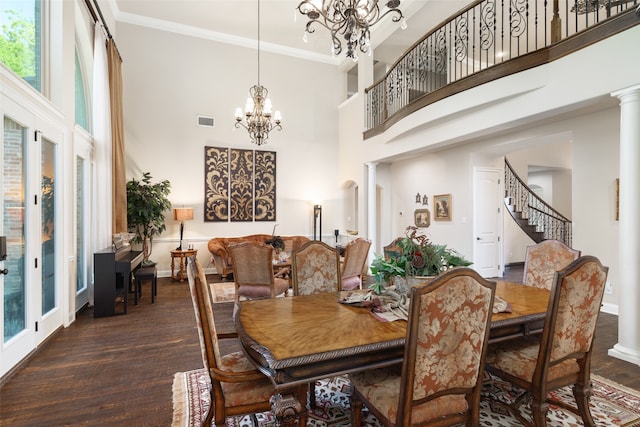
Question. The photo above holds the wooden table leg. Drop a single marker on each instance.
(288, 407)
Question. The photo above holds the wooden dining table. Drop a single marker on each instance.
(300, 339)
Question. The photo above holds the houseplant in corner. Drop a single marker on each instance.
(146, 205)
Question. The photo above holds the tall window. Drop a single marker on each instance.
(20, 38)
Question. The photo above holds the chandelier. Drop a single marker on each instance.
(258, 117)
(350, 19)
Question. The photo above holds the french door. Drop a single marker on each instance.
(30, 199)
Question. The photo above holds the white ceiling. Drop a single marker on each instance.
(281, 25)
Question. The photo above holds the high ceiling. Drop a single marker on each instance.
(281, 26)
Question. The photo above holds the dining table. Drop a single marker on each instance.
(301, 339)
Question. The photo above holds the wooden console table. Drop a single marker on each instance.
(182, 254)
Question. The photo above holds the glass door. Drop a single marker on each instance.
(18, 333)
(84, 260)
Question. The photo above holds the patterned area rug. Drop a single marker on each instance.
(223, 291)
(611, 405)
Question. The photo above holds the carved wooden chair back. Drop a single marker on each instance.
(253, 271)
(544, 259)
(316, 269)
(563, 355)
(355, 260)
(440, 380)
(392, 250)
(237, 388)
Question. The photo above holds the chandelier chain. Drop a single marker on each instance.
(257, 118)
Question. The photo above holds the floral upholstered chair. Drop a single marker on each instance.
(237, 387)
(544, 259)
(563, 355)
(253, 271)
(355, 261)
(315, 269)
(440, 379)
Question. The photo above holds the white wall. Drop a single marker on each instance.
(170, 78)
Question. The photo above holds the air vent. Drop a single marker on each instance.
(205, 121)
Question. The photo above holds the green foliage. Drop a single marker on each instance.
(424, 258)
(17, 45)
(146, 205)
(417, 257)
(383, 270)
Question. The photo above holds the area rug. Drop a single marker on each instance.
(611, 404)
(223, 291)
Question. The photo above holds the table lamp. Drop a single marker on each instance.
(182, 215)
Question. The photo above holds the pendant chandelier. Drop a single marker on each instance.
(350, 19)
(258, 117)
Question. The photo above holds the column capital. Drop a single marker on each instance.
(626, 91)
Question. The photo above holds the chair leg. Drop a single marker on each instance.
(312, 394)
(582, 394)
(356, 411)
(539, 412)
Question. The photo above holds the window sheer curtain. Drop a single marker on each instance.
(118, 183)
(102, 203)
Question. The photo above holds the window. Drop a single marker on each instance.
(20, 39)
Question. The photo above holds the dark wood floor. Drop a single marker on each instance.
(119, 370)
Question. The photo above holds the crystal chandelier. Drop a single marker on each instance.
(258, 117)
(350, 19)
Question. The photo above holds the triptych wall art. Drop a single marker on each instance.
(239, 185)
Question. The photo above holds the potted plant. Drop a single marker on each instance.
(146, 205)
(417, 257)
(424, 258)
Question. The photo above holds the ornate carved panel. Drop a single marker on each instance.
(240, 185)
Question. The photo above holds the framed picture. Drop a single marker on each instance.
(422, 217)
(442, 207)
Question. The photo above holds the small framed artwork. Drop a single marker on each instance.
(442, 207)
(422, 217)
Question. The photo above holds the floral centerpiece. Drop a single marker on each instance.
(416, 256)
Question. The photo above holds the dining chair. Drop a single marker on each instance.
(253, 271)
(315, 269)
(542, 260)
(562, 356)
(392, 250)
(237, 387)
(440, 379)
(355, 260)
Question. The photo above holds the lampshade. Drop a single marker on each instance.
(183, 214)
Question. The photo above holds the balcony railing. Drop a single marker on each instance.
(503, 36)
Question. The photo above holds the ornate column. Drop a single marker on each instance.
(628, 346)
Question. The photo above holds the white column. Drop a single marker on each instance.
(628, 346)
(372, 201)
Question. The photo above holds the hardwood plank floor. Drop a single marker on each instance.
(119, 370)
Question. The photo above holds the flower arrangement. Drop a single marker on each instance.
(416, 256)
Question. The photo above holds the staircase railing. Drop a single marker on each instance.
(534, 216)
(489, 40)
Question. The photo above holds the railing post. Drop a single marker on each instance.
(556, 23)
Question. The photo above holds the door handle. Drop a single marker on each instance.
(4, 271)
(477, 238)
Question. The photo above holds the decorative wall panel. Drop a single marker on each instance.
(241, 188)
(216, 184)
(240, 185)
(265, 186)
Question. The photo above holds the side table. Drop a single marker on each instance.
(182, 254)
